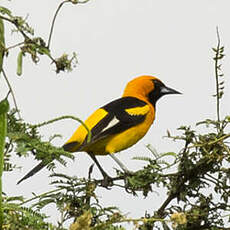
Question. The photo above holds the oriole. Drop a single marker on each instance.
(119, 124)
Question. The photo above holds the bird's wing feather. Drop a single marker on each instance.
(123, 114)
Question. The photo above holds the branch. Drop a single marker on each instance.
(41, 195)
(12, 92)
(54, 19)
(160, 211)
(173, 194)
(56, 13)
(15, 23)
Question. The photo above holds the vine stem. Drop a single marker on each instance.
(217, 79)
(65, 117)
(56, 13)
(11, 92)
(53, 21)
(14, 46)
(41, 195)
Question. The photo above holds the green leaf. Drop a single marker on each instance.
(228, 118)
(152, 150)
(221, 83)
(222, 49)
(44, 50)
(4, 10)
(220, 56)
(4, 106)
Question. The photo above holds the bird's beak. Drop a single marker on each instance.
(166, 90)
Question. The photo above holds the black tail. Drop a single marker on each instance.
(33, 171)
(40, 166)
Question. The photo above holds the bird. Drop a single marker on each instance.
(117, 125)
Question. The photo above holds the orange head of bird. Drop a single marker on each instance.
(147, 88)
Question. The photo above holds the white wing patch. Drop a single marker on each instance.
(112, 123)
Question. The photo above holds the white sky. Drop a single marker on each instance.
(115, 42)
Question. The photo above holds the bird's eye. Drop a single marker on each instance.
(157, 84)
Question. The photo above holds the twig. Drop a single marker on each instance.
(13, 46)
(160, 211)
(27, 38)
(16, 25)
(173, 194)
(12, 93)
(53, 21)
(65, 117)
(56, 13)
(41, 195)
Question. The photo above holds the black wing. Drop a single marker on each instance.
(117, 120)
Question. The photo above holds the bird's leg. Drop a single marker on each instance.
(122, 166)
(107, 179)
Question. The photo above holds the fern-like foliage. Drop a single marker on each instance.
(20, 218)
(25, 139)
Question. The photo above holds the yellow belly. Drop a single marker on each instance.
(126, 139)
(118, 142)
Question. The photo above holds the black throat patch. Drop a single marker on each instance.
(155, 94)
